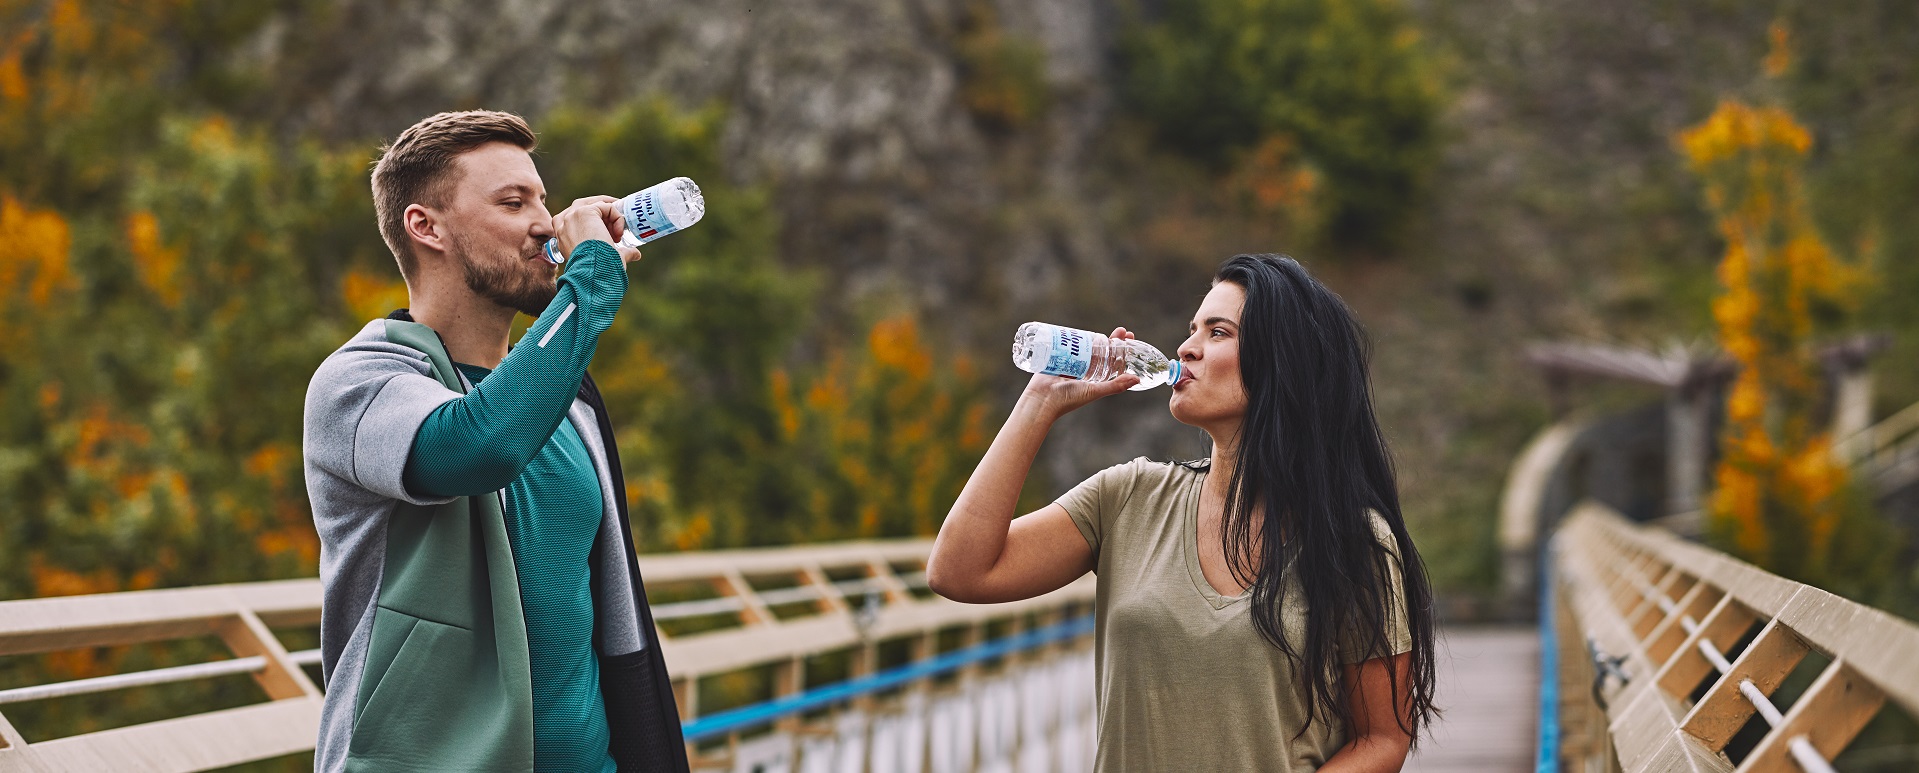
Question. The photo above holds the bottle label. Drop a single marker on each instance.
(1071, 353)
(645, 220)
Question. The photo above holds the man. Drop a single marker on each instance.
(483, 609)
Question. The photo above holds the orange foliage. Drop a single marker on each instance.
(1777, 485)
(693, 535)
(157, 264)
(898, 433)
(1779, 56)
(298, 540)
(37, 243)
(895, 343)
(98, 436)
(371, 297)
(1276, 181)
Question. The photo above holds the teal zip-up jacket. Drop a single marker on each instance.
(423, 640)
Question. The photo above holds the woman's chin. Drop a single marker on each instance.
(1181, 413)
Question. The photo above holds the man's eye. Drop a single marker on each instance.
(513, 204)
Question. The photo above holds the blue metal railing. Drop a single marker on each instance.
(720, 724)
(1547, 759)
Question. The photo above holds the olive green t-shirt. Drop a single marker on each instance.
(1184, 680)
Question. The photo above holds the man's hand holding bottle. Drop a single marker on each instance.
(593, 217)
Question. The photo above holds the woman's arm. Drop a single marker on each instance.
(1375, 743)
(983, 554)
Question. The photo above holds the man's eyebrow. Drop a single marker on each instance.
(513, 188)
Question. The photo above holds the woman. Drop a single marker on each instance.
(1261, 610)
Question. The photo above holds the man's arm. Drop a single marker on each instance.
(479, 443)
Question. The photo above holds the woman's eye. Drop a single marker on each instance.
(1217, 332)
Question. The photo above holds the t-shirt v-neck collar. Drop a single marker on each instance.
(1189, 544)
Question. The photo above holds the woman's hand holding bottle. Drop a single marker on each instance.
(1056, 396)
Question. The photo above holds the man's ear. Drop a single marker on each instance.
(423, 227)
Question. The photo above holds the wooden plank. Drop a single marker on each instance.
(1829, 714)
(1721, 629)
(669, 567)
(1882, 648)
(9, 737)
(1488, 682)
(199, 742)
(1666, 637)
(1675, 753)
(1649, 612)
(282, 678)
(753, 611)
(1643, 727)
(109, 619)
(1766, 662)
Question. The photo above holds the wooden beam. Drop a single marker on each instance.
(1766, 662)
(199, 742)
(1830, 714)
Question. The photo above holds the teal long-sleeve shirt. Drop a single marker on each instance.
(510, 432)
(479, 443)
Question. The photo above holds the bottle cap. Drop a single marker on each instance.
(551, 249)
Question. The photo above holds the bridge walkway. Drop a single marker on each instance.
(1489, 688)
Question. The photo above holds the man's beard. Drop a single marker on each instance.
(509, 285)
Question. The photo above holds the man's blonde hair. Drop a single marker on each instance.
(418, 167)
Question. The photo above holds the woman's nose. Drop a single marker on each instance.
(1189, 348)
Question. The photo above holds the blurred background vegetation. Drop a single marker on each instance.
(185, 231)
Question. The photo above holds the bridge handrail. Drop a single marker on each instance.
(1664, 614)
(852, 595)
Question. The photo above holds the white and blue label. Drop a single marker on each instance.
(1071, 352)
(645, 221)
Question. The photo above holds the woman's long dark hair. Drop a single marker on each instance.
(1311, 458)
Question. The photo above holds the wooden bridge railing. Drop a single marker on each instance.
(1645, 618)
(721, 612)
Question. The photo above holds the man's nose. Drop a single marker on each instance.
(542, 227)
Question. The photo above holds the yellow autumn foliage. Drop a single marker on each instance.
(157, 264)
(34, 258)
(1777, 488)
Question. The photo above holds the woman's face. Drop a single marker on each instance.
(1209, 394)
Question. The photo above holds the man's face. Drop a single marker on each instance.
(496, 220)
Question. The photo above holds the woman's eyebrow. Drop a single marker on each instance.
(1212, 321)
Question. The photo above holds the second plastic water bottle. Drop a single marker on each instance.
(652, 213)
(1083, 354)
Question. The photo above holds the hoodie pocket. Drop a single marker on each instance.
(428, 696)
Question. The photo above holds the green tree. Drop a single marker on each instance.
(1346, 81)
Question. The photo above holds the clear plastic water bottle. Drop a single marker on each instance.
(652, 213)
(1083, 354)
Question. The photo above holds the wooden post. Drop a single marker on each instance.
(282, 678)
(1720, 629)
(687, 697)
(1852, 402)
(1688, 445)
(1724, 710)
(1833, 710)
(1665, 638)
(9, 737)
(753, 611)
